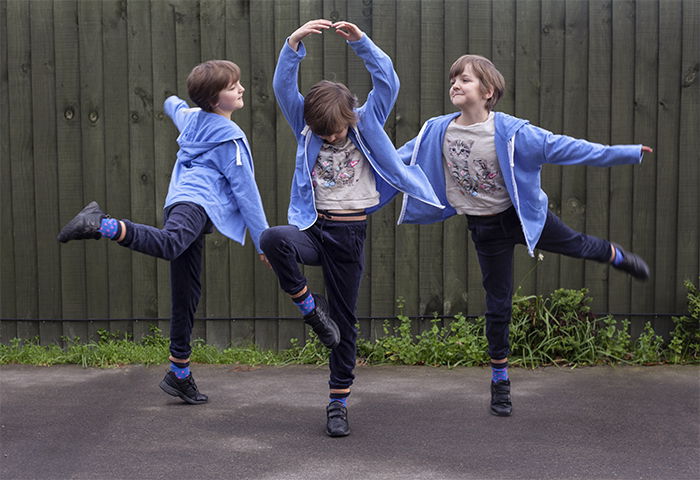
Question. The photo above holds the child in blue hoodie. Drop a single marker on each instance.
(212, 183)
(486, 165)
(346, 167)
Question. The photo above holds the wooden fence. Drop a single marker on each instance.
(82, 86)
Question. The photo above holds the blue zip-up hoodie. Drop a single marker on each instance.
(214, 169)
(391, 174)
(521, 149)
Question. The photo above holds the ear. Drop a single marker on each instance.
(488, 93)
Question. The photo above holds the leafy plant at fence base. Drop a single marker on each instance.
(558, 329)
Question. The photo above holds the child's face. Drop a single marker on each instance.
(337, 137)
(466, 91)
(230, 98)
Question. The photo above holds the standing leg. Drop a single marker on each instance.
(494, 238)
(343, 244)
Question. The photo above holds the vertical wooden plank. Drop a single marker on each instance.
(408, 123)
(241, 259)
(45, 168)
(69, 162)
(621, 131)
(165, 133)
(312, 71)
(335, 52)
(360, 83)
(666, 160)
(213, 27)
(187, 44)
(687, 261)
(575, 121)
(286, 21)
(142, 171)
(430, 251)
(7, 260)
(551, 118)
(597, 179)
(481, 38)
(116, 144)
(644, 196)
(263, 55)
(379, 271)
(479, 26)
(526, 105)
(92, 128)
(454, 229)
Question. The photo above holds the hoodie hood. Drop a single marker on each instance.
(205, 131)
(507, 125)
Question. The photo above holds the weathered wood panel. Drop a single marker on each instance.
(84, 83)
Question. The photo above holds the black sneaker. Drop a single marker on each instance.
(85, 225)
(184, 388)
(632, 264)
(322, 324)
(500, 398)
(337, 420)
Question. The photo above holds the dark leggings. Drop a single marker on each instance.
(338, 248)
(181, 240)
(495, 238)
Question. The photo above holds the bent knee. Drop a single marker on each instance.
(271, 238)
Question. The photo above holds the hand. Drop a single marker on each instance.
(349, 31)
(313, 26)
(647, 149)
(263, 259)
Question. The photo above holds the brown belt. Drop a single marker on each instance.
(342, 218)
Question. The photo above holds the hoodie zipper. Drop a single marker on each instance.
(414, 157)
(511, 162)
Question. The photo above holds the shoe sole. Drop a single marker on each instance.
(496, 414)
(176, 393)
(335, 435)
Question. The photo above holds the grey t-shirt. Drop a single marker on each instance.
(473, 178)
(343, 178)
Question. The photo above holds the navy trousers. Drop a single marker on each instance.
(181, 241)
(338, 247)
(495, 238)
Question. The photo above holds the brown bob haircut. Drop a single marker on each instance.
(487, 74)
(329, 108)
(207, 79)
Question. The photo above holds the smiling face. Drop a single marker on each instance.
(230, 99)
(467, 92)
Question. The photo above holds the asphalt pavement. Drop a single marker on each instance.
(424, 423)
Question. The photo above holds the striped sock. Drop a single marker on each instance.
(339, 397)
(617, 259)
(110, 228)
(181, 370)
(305, 303)
(499, 371)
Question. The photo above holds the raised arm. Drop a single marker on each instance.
(385, 81)
(178, 110)
(285, 82)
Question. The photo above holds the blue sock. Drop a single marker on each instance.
(335, 397)
(181, 370)
(617, 259)
(499, 371)
(109, 227)
(305, 303)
